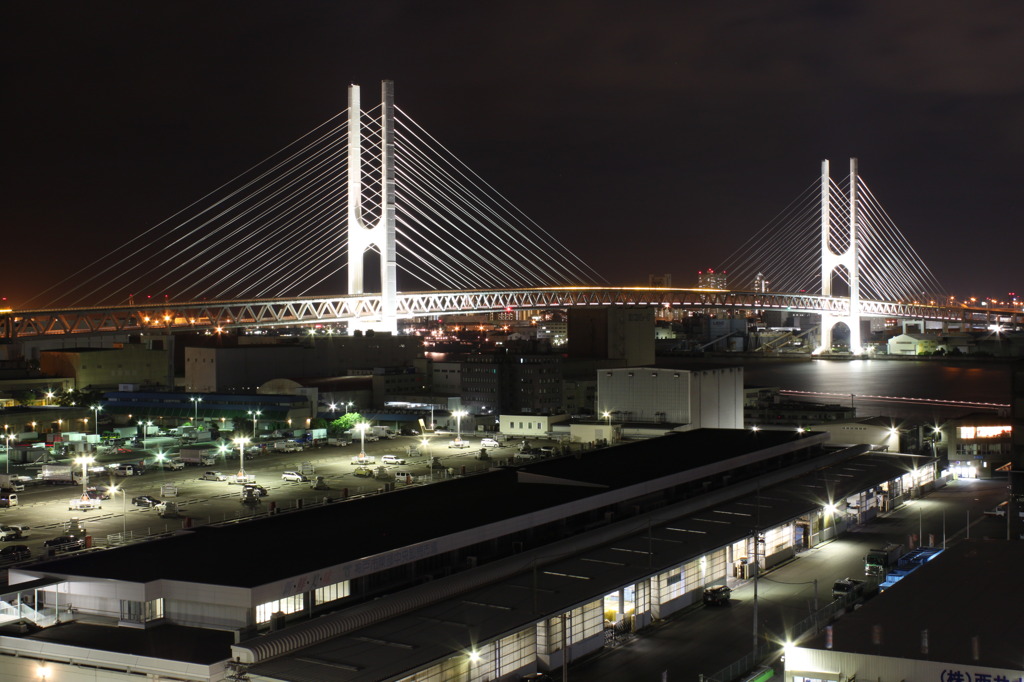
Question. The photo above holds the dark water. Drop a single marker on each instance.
(941, 389)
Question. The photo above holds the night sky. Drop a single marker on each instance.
(671, 130)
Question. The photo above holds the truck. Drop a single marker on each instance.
(59, 474)
(200, 456)
(340, 442)
(12, 482)
(381, 432)
(848, 588)
(191, 434)
(175, 464)
(880, 561)
(286, 446)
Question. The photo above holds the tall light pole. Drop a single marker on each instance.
(241, 443)
(85, 461)
(8, 437)
(124, 508)
(96, 417)
(255, 416)
(458, 414)
(195, 401)
(361, 427)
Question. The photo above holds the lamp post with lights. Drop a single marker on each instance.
(255, 414)
(114, 490)
(85, 461)
(96, 417)
(195, 402)
(241, 443)
(361, 427)
(458, 414)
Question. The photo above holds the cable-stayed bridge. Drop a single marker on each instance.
(370, 199)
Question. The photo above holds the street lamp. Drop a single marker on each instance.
(195, 401)
(255, 416)
(8, 437)
(145, 433)
(85, 461)
(96, 417)
(241, 443)
(114, 490)
(458, 414)
(361, 427)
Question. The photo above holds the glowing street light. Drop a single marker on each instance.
(241, 443)
(114, 490)
(361, 427)
(85, 461)
(458, 414)
(96, 417)
(255, 416)
(195, 401)
(607, 415)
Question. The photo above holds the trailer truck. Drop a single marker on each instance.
(880, 561)
(200, 456)
(58, 474)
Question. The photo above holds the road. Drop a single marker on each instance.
(705, 639)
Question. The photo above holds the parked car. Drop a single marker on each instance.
(392, 459)
(8, 533)
(363, 472)
(489, 443)
(213, 476)
(294, 476)
(717, 595)
(98, 492)
(15, 553)
(458, 444)
(258, 489)
(65, 543)
(145, 501)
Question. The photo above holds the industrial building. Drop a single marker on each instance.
(515, 570)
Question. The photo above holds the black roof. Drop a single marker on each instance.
(346, 531)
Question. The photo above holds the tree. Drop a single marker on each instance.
(344, 423)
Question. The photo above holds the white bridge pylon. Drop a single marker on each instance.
(831, 260)
(380, 235)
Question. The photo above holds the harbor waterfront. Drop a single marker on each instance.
(936, 389)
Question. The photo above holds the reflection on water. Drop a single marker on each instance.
(854, 379)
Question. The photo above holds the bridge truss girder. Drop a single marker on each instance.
(213, 315)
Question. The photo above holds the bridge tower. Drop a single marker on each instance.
(381, 235)
(830, 260)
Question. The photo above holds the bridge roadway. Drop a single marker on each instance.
(220, 315)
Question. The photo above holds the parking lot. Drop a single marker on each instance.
(333, 473)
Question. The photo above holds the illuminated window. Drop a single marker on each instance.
(330, 593)
(286, 606)
(142, 612)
